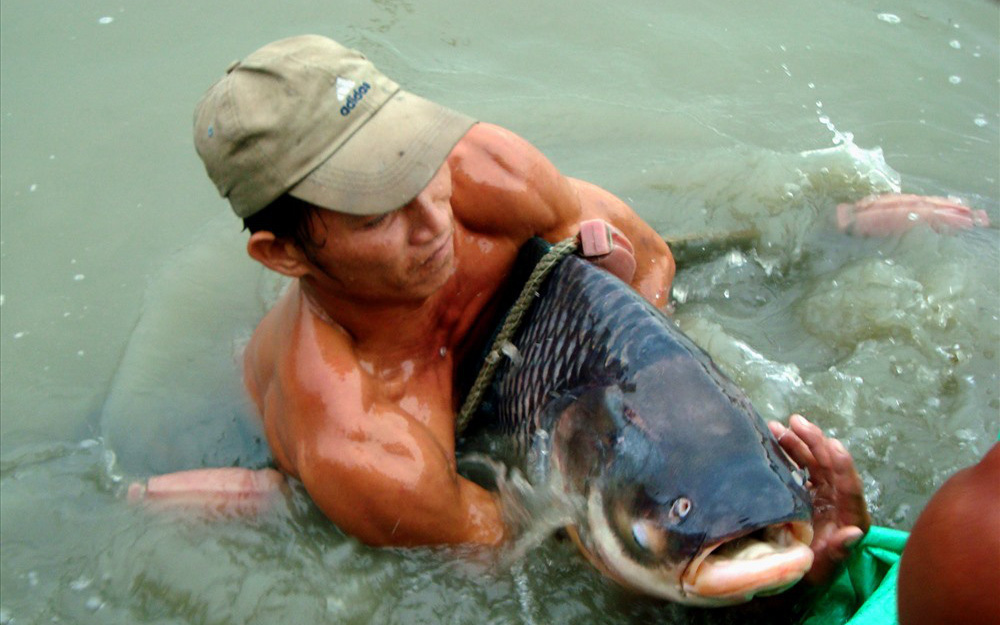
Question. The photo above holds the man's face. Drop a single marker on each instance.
(403, 255)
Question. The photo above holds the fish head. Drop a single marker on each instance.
(701, 509)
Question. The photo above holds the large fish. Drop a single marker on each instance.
(684, 492)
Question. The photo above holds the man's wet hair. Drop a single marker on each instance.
(287, 217)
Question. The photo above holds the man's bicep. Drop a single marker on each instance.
(353, 484)
(393, 485)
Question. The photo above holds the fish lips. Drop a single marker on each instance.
(763, 563)
(759, 562)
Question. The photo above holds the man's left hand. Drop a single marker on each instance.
(840, 515)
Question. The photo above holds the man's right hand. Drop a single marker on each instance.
(226, 490)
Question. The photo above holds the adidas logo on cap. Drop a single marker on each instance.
(343, 88)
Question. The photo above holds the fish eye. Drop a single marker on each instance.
(640, 535)
(648, 536)
(680, 509)
(645, 536)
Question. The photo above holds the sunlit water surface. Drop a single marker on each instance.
(126, 297)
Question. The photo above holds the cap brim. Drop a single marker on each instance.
(388, 160)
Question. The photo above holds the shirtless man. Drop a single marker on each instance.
(399, 220)
(353, 369)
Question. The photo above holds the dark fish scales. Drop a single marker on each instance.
(688, 495)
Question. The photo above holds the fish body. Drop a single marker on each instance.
(685, 493)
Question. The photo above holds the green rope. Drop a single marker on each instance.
(511, 324)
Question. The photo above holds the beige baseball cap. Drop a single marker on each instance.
(309, 117)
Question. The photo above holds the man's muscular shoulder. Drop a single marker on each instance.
(293, 365)
(496, 146)
(504, 185)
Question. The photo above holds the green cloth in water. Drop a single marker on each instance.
(865, 591)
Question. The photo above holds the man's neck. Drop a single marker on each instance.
(409, 328)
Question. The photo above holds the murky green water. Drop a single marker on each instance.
(125, 295)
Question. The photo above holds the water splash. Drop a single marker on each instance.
(531, 511)
(525, 598)
(870, 164)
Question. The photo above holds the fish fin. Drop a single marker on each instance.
(584, 432)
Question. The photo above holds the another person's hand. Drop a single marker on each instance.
(607, 247)
(840, 515)
(894, 213)
(230, 490)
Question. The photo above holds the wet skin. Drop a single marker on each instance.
(950, 569)
(352, 370)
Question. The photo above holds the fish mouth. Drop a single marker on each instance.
(761, 563)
